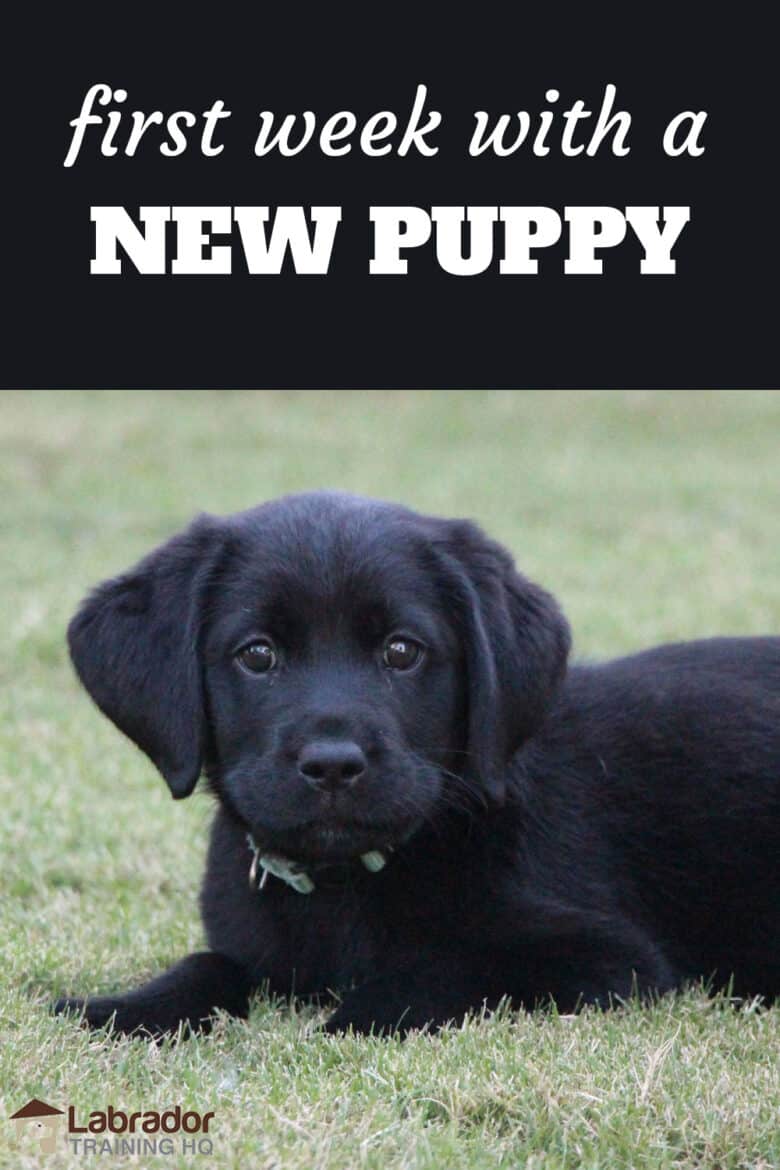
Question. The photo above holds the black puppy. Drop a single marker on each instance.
(419, 807)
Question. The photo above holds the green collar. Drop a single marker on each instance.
(292, 872)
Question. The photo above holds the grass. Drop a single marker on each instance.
(652, 516)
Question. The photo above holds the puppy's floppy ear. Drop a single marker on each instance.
(517, 642)
(134, 644)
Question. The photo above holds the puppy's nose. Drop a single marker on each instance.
(331, 764)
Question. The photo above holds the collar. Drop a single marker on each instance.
(293, 873)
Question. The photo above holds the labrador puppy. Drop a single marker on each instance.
(419, 808)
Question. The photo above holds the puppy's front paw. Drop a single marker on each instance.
(96, 1013)
(185, 996)
(126, 1016)
(375, 1008)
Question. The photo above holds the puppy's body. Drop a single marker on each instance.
(572, 835)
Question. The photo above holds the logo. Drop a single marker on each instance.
(115, 1131)
(37, 1119)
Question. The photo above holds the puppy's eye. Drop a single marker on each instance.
(401, 653)
(258, 657)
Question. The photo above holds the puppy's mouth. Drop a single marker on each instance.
(326, 842)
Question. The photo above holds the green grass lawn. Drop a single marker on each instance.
(651, 516)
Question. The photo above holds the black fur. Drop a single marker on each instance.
(573, 834)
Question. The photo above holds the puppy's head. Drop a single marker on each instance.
(341, 668)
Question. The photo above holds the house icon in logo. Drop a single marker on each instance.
(36, 1117)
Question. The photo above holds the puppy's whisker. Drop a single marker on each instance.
(461, 780)
(461, 798)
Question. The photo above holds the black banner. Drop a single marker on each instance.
(501, 199)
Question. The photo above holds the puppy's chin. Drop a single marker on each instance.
(327, 843)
